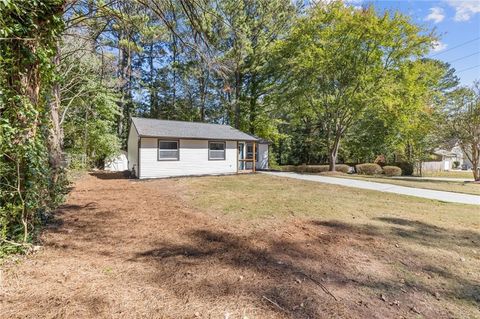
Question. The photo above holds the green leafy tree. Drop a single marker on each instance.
(89, 106)
(336, 61)
(463, 123)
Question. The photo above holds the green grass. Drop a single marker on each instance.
(450, 174)
(430, 245)
(258, 196)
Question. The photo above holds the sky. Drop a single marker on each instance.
(457, 23)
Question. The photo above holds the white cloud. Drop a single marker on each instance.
(465, 9)
(436, 15)
(438, 46)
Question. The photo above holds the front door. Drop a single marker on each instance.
(241, 156)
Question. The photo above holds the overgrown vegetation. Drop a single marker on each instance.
(30, 176)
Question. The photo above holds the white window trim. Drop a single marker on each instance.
(168, 159)
(224, 151)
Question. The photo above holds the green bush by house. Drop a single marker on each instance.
(368, 169)
(392, 170)
(314, 168)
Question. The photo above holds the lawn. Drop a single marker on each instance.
(404, 247)
(247, 246)
(450, 174)
(449, 186)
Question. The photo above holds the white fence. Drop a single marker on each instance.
(433, 166)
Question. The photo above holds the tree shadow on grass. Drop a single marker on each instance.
(411, 230)
(423, 234)
(297, 275)
(272, 277)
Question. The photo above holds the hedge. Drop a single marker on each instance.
(314, 168)
(368, 169)
(392, 170)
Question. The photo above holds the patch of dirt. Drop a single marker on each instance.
(125, 248)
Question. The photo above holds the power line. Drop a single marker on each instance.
(457, 46)
(472, 67)
(464, 57)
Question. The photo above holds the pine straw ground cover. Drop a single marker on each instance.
(248, 246)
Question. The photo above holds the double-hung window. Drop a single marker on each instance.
(168, 150)
(216, 150)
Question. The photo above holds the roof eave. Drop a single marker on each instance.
(199, 138)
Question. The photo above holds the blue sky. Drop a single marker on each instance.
(456, 22)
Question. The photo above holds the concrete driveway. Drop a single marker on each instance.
(387, 188)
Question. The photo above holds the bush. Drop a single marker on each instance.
(342, 168)
(314, 168)
(369, 169)
(407, 168)
(392, 170)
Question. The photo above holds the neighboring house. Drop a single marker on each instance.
(443, 161)
(447, 158)
(160, 148)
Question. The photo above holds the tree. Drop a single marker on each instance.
(29, 31)
(463, 123)
(89, 105)
(336, 61)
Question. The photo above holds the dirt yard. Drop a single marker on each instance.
(188, 248)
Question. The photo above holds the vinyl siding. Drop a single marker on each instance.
(193, 159)
(262, 156)
(132, 149)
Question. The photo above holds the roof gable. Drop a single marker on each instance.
(194, 130)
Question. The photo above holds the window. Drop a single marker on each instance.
(167, 150)
(216, 150)
(250, 152)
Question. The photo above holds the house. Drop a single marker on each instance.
(448, 158)
(161, 148)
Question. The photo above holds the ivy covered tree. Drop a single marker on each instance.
(29, 31)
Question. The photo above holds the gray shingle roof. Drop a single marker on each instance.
(179, 129)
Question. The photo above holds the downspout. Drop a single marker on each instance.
(138, 155)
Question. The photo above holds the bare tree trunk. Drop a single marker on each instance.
(332, 158)
(55, 138)
(253, 104)
(238, 83)
(203, 94)
(475, 162)
(154, 112)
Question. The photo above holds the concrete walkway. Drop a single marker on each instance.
(387, 188)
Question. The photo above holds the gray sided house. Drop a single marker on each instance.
(160, 148)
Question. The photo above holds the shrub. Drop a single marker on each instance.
(314, 168)
(324, 168)
(407, 168)
(368, 169)
(342, 168)
(392, 170)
